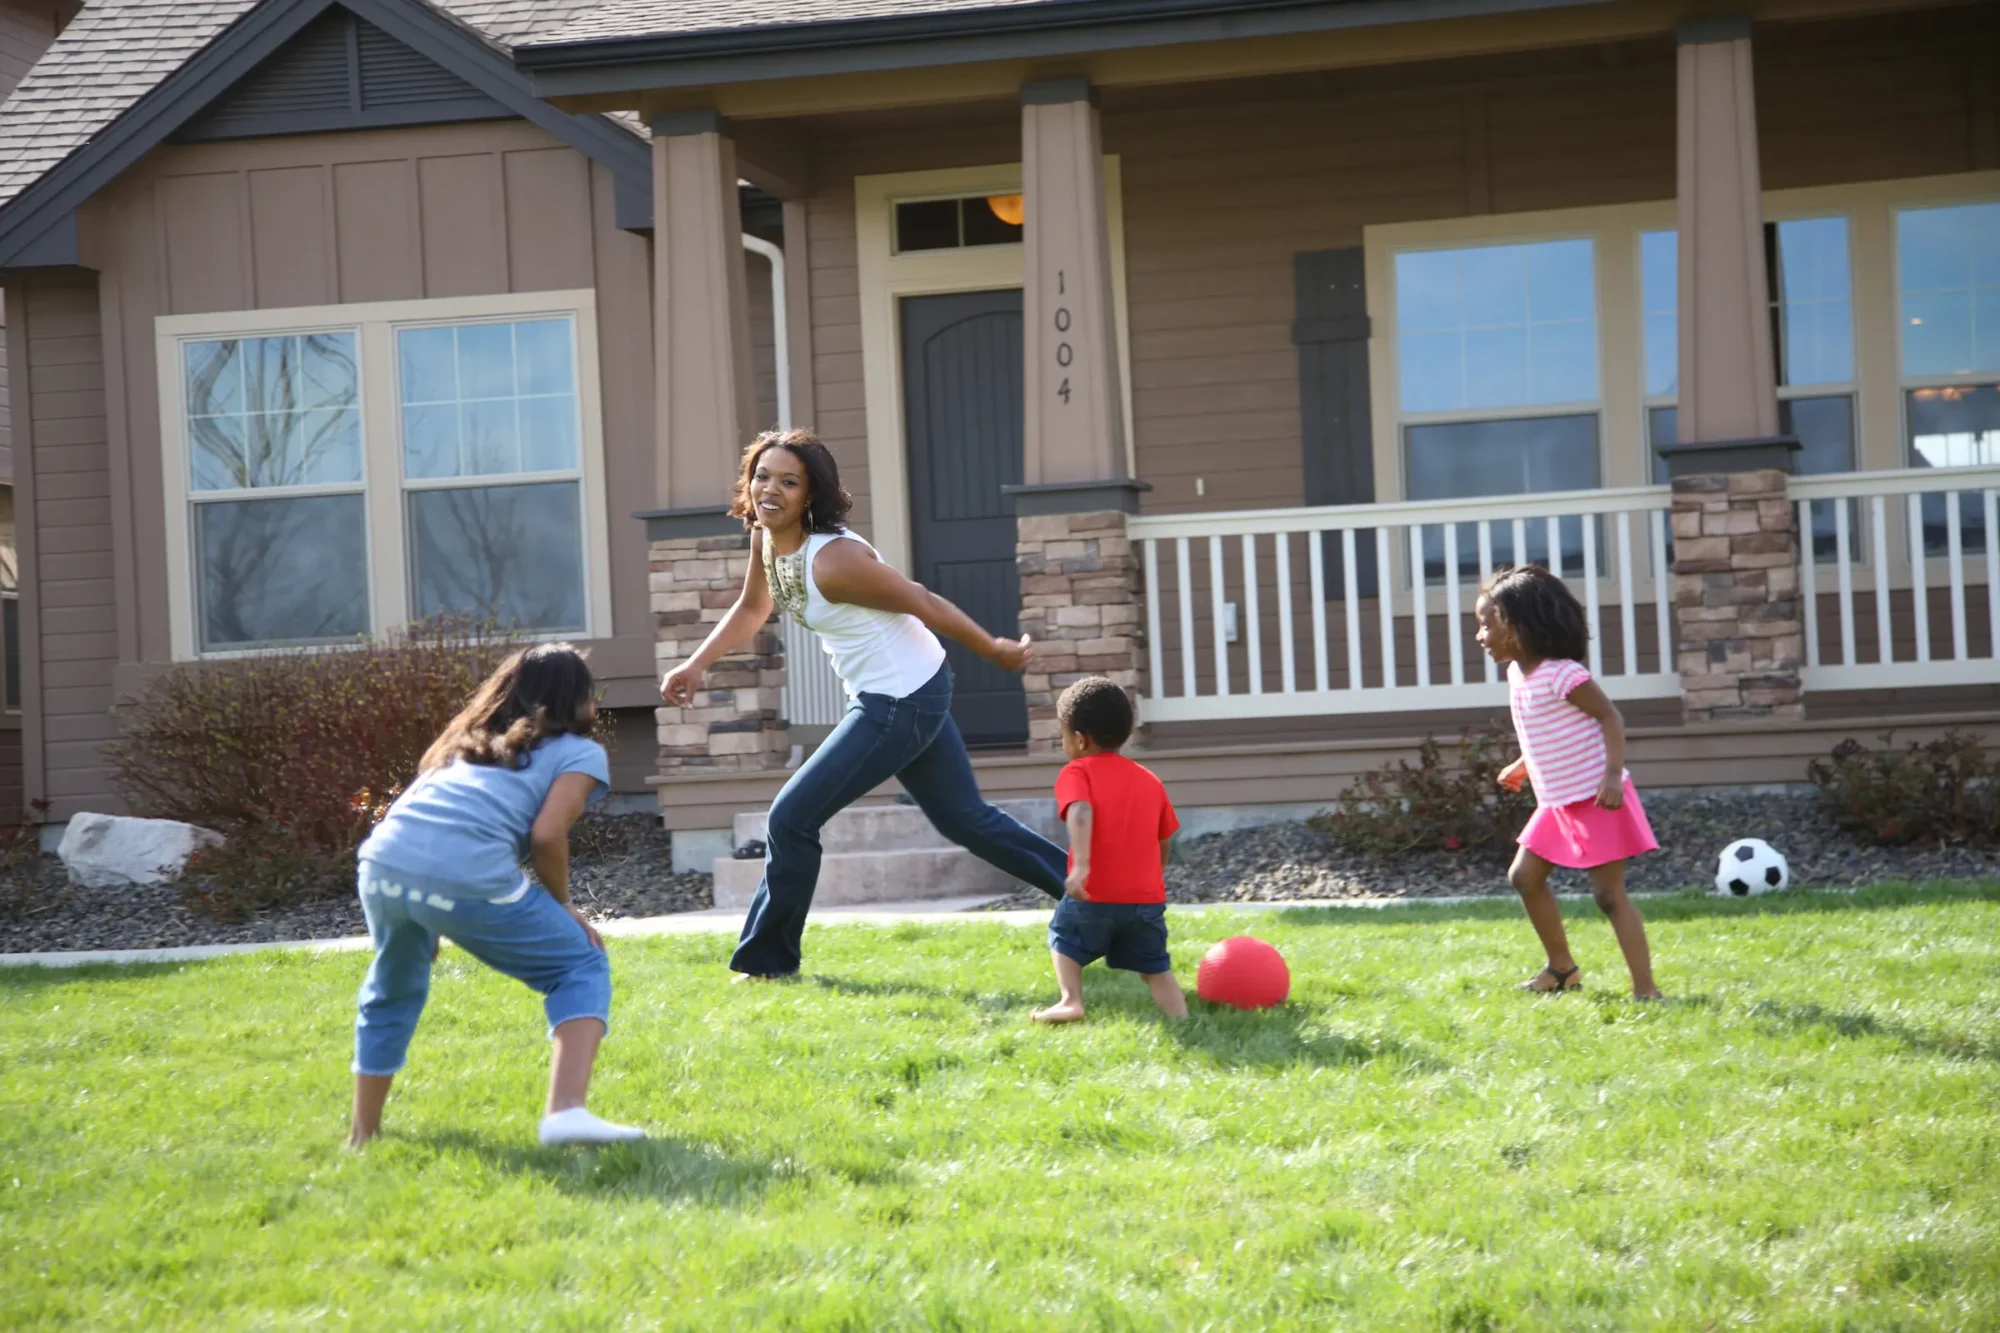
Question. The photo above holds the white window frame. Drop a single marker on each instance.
(391, 596)
(1905, 381)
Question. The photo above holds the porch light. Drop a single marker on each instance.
(1009, 208)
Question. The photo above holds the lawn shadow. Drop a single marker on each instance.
(989, 1001)
(1689, 906)
(1286, 1035)
(26, 978)
(666, 1170)
(1854, 1023)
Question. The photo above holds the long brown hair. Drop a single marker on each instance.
(535, 695)
(827, 503)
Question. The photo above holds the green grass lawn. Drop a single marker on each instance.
(1808, 1138)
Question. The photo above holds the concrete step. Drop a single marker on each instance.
(899, 828)
(847, 878)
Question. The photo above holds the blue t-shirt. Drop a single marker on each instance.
(468, 824)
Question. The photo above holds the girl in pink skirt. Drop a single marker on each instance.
(1587, 816)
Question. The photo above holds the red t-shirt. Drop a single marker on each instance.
(1129, 817)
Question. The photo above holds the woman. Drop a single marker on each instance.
(882, 632)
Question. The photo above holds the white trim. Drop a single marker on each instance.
(885, 277)
(1377, 699)
(374, 325)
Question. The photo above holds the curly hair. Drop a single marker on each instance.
(535, 695)
(827, 502)
(1098, 708)
(1542, 611)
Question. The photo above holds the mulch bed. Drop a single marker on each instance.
(1294, 862)
(618, 868)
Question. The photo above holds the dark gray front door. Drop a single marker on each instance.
(962, 414)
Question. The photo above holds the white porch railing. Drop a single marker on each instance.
(1926, 538)
(1368, 608)
(812, 695)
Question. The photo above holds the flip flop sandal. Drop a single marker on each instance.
(1562, 979)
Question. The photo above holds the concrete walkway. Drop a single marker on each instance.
(728, 921)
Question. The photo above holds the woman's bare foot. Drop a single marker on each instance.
(1059, 1013)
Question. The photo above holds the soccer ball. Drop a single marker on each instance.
(1243, 972)
(1751, 865)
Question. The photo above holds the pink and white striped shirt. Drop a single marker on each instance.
(1564, 745)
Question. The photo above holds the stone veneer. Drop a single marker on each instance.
(1081, 601)
(737, 720)
(1740, 634)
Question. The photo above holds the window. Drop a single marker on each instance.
(382, 464)
(1498, 376)
(952, 224)
(1948, 279)
(1812, 334)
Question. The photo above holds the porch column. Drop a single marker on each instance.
(1740, 634)
(1081, 598)
(703, 409)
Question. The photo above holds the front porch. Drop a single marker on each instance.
(1246, 408)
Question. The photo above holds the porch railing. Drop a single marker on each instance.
(1900, 578)
(1368, 608)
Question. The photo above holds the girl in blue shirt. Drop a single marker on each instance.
(501, 786)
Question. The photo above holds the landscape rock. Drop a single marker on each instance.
(112, 851)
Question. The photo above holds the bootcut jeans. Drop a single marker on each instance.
(913, 740)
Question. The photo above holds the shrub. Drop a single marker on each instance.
(293, 755)
(1438, 804)
(1944, 791)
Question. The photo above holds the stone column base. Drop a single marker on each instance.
(737, 720)
(1739, 626)
(1081, 601)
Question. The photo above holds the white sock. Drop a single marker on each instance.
(577, 1125)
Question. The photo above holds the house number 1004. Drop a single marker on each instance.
(1065, 354)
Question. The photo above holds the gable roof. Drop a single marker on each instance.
(126, 73)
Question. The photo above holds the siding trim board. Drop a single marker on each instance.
(262, 33)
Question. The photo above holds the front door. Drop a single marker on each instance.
(962, 411)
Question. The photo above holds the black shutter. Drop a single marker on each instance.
(1332, 337)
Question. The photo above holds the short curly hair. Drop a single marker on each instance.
(1098, 708)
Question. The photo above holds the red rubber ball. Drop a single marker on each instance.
(1244, 973)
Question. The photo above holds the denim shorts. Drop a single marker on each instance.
(526, 935)
(1131, 937)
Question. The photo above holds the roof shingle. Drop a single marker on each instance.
(117, 51)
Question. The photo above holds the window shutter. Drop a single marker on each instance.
(1331, 333)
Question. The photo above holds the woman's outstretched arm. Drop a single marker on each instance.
(848, 572)
(751, 609)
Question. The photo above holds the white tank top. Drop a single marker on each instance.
(873, 652)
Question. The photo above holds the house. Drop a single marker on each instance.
(1222, 345)
(27, 27)
(225, 224)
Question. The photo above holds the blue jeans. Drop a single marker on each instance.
(528, 936)
(913, 740)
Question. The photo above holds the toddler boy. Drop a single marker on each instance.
(1119, 822)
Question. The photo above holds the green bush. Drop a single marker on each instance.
(1438, 804)
(1942, 791)
(293, 756)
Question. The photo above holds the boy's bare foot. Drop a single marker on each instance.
(1059, 1013)
(356, 1140)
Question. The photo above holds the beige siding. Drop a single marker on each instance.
(68, 597)
(436, 212)
(6, 417)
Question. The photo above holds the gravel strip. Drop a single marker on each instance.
(1292, 862)
(619, 865)
(617, 870)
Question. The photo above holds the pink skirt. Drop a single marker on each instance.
(1584, 834)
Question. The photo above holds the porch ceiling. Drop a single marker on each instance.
(755, 60)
